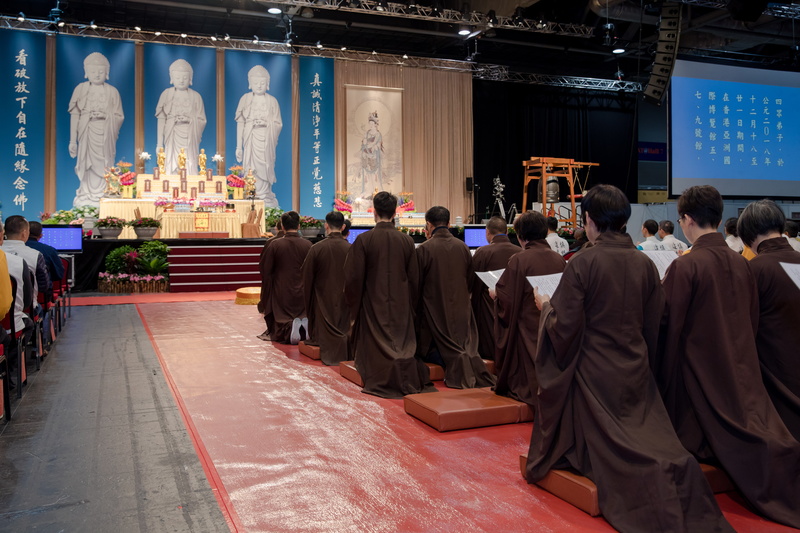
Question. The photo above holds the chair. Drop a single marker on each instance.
(9, 324)
(6, 384)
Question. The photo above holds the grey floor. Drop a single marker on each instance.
(97, 442)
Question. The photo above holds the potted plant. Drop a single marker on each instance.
(145, 227)
(310, 227)
(271, 217)
(110, 227)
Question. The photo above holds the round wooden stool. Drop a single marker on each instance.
(248, 295)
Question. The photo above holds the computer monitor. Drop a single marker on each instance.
(355, 232)
(66, 238)
(475, 237)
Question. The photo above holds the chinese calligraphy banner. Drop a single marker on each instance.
(22, 97)
(737, 129)
(258, 122)
(95, 111)
(317, 155)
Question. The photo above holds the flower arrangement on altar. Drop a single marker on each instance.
(144, 156)
(343, 202)
(309, 222)
(110, 222)
(216, 158)
(163, 202)
(144, 222)
(183, 201)
(205, 202)
(131, 283)
(405, 203)
(126, 176)
(412, 231)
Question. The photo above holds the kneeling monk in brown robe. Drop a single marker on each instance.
(599, 408)
(323, 286)
(381, 284)
(708, 370)
(283, 278)
(447, 334)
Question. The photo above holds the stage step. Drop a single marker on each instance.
(213, 268)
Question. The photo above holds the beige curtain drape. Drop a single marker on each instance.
(437, 130)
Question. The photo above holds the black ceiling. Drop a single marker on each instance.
(706, 31)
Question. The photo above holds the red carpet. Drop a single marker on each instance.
(154, 297)
(289, 445)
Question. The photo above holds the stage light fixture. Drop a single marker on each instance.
(307, 13)
(463, 31)
(21, 17)
(344, 48)
(255, 39)
(61, 23)
(157, 34)
(618, 50)
(374, 53)
(274, 11)
(93, 25)
(383, 5)
(137, 28)
(405, 56)
(214, 38)
(319, 44)
(184, 36)
(227, 37)
(491, 16)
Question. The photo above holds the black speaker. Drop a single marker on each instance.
(669, 28)
(470, 184)
(746, 10)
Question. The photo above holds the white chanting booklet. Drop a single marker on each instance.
(663, 259)
(490, 278)
(793, 270)
(545, 284)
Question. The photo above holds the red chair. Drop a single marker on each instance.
(16, 336)
(5, 383)
(37, 341)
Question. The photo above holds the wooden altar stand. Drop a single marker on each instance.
(543, 168)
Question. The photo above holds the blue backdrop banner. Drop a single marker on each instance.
(95, 106)
(22, 97)
(258, 121)
(180, 107)
(317, 158)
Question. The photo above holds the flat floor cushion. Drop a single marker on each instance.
(308, 350)
(347, 369)
(465, 408)
(248, 296)
(581, 491)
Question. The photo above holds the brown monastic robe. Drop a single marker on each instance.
(446, 322)
(778, 336)
(283, 279)
(263, 304)
(323, 287)
(517, 322)
(381, 281)
(708, 374)
(493, 256)
(599, 409)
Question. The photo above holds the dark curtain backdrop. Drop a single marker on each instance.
(514, 122)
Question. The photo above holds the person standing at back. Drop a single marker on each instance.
(381, 289)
